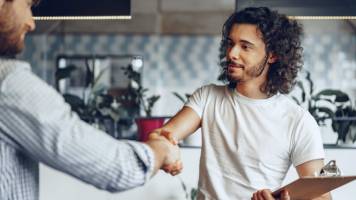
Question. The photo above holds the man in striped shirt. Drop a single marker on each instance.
(36, 125)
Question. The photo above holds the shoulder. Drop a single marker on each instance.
(299, 116)
(22, 80)
(207, 93)
(291, 106)
(212, 89)
(24, 88)
(294, 113)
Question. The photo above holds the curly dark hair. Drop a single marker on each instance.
(282, 37)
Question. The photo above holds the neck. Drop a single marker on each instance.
(252, 89)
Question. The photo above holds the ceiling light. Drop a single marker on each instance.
(323, 17)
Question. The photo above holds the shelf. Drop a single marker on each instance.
(326, 146)
(343, 146)
(189, 146)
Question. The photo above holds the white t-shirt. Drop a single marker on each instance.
(249, 144)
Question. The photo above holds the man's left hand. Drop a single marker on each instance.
(267, 195)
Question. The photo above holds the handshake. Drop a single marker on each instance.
(166, 150)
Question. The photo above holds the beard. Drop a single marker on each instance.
(253, 72)
(11, 39)
(10, 47)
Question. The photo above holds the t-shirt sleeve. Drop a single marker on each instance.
(307, 142)
(198, 100)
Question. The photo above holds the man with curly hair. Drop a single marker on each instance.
(251, 131)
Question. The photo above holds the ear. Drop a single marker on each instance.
(272, 58)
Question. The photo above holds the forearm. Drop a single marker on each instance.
(183, 124)
(177, 136)
(96, 158)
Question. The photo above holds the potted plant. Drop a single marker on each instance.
(344, 115)
(330, 104)
(96, 107)
(137, 94)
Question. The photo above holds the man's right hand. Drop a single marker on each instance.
(167, 154)
(176, 167)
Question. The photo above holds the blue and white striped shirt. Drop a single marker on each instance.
(36, 125)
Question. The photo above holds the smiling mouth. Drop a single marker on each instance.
(233, 66)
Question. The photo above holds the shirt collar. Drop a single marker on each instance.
(9, 65)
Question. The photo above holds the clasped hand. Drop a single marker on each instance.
(172, 164)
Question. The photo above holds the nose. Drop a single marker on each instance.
(31, 24)
(234, 52)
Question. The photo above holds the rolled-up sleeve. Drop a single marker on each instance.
(38, 122)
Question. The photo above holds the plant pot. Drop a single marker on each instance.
(146, 125)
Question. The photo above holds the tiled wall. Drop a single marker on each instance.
(174, 59)
(183, 63)
(171, 63)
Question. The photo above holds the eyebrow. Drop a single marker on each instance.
(247, 42)
(243, 41)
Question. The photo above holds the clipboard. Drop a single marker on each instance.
(311, 187)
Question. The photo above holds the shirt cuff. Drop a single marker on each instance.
(305, 158)
(146, 156)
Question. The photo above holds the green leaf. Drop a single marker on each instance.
(180, 97)
(339, 95)
(97, 79)
(341, 123)
(296, 100)
(89, 77)
(73, 100)
(329, 113)
(301, 86)
(193, 193)
(318, 99)
(150, 103)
